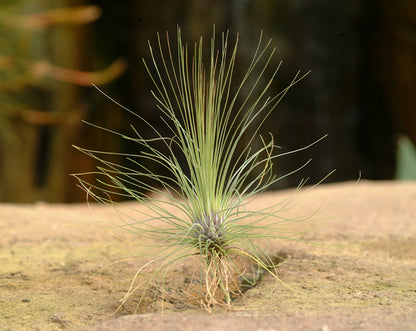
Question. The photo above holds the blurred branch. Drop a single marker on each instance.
(43, 69)
(40, 117)
(85, 78)
(39, 21)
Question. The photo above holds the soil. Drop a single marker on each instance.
(352, 268)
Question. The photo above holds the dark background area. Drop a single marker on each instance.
(361, 89)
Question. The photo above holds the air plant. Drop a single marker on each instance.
(199, 209)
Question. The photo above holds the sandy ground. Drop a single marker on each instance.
(62, 267)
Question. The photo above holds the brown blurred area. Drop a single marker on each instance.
(361, 90)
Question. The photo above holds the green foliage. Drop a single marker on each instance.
(406, 159)
(199, 210)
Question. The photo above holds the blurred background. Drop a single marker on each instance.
(361, 90)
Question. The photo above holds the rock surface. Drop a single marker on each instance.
(60, 268)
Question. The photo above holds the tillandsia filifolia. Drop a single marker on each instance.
(199, 208)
